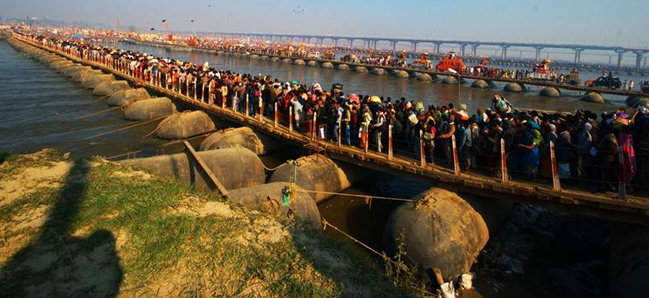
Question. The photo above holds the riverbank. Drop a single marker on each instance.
(97, 228)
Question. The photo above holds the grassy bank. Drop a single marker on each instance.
(101, 229)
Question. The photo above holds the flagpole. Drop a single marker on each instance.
(459, 87)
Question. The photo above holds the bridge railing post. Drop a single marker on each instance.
(422, 151)
(390, 156)
(247, 104)
(621, 185)
(195, 91)
(290, 118)
(276, 115)
(556, 183)
(366, 136)
(314, 126)
(504, 177)
(261, 109)
(209, 94)
(456, 162)
(235, 103)
(186, 87)
(339, 131)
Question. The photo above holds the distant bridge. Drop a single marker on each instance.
(371, 42)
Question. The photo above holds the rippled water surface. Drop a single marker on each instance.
(43, 109)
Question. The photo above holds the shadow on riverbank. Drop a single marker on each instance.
(56, 263)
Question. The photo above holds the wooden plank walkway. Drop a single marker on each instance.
(632, 210)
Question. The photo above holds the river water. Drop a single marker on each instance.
(43, 109)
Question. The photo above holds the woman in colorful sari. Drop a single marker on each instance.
(627, 166)
(530, 146)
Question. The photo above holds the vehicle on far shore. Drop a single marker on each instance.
(451, 61)
(608, 82)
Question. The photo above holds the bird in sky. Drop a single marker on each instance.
(298, 10)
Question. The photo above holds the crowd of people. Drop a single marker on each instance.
(591, 150)
(387, 58)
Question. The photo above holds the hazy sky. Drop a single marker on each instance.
(610, 22)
